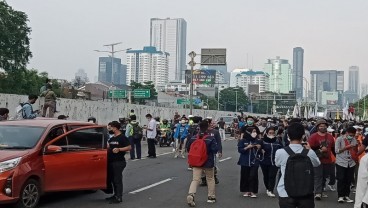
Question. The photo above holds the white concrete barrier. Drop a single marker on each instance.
(105, 111)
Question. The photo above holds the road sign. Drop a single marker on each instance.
(119, 94)
(142, 93)
(182, 101)
(197, 101)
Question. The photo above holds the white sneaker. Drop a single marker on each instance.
(175, 156)
(341, 200)
(183, 156)
(331, 187)
(324, 195)
(270, 194)
(348, 200)
(190, 200)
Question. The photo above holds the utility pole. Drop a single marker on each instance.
(192, 63)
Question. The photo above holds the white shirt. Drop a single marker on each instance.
(362, 184)
(152, 125)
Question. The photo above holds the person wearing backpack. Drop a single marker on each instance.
(26, 110)
(201, 153)
(346, 160)
(134, 132)
(296, 161)
(249, 148)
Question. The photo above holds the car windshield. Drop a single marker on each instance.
(19, 137)
(228, 119)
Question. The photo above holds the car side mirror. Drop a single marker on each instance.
(52, 149)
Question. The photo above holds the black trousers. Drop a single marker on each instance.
(269, 176)
(115, 177)
(151, 147)
(321, 173)
(305, 202)
(344, 178)
(136, 147)
(249, 179)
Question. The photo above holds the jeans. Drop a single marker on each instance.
(269, 176)
(305, 202)
(320, 175)
(344, 178)
(115, 176)
(136, 147)
(197, 173)
(249, 179)
(222, 134)
(151, 147)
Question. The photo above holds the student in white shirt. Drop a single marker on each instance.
(361, 196)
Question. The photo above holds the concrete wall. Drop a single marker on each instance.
(104, 111)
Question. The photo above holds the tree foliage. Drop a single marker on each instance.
(14, 38)
(228, 99)
(145, 85)
(79, 82)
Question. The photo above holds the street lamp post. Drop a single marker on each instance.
(112, 52)
(236, 99)
(192, 63)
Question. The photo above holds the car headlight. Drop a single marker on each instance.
(9, 164)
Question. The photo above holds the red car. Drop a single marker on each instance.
(39, 156)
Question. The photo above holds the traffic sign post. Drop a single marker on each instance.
(142, 93)
(118, 94)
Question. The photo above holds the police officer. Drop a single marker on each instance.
(117, 146)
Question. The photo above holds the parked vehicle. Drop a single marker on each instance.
(40, 156)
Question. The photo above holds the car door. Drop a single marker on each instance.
(80, 163)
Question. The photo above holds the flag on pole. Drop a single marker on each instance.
(325, 114)
(306, 112)
(295, 111)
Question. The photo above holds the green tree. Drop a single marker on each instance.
(14, 41)
(228, 99)
(145, 85)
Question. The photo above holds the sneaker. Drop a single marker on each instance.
(318, 197)
(183, 156)
(211, 199)
(270, 194)
(175, 156)
(216, 180)
(341, 200)
(324, 195)
(190, 169)
(252, 195)
(331, 187)
(190, 200)
(116, 200)
(246, 194)
(110, 198)
(348, 200)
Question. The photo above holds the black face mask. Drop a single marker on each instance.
(111, 132)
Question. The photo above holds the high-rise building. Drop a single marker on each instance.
(233, 75)
(147, 65)
(247, 78)
(105, 73)
(354, 79)
(170, 35)
(280, 75)
(326, 80)
(297, 72)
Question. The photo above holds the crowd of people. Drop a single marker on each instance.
(329, 154)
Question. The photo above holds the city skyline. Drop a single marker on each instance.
(338, 46)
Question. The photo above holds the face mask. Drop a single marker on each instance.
(350, 137)
(253, 135)
(271, 136)
(111, 132)
(322, 130)
(250, 123)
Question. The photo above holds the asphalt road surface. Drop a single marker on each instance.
(164, 182)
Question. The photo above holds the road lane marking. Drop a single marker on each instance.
(222, 160)
(144, 158)
(151, 186)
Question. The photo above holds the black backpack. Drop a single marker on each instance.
(299, 174)
(137, 131)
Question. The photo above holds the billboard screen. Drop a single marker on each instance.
(330, 98)
(201, 76)
(213, 56)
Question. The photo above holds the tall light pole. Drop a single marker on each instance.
(112, 52)
(192, 63)
(236, 99)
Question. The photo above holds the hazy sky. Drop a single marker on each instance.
(333, 33)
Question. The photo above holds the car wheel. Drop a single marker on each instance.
(30, 195)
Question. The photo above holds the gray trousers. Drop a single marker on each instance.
(321, 173)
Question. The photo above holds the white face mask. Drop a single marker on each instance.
(271, 136)
(253, 135)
